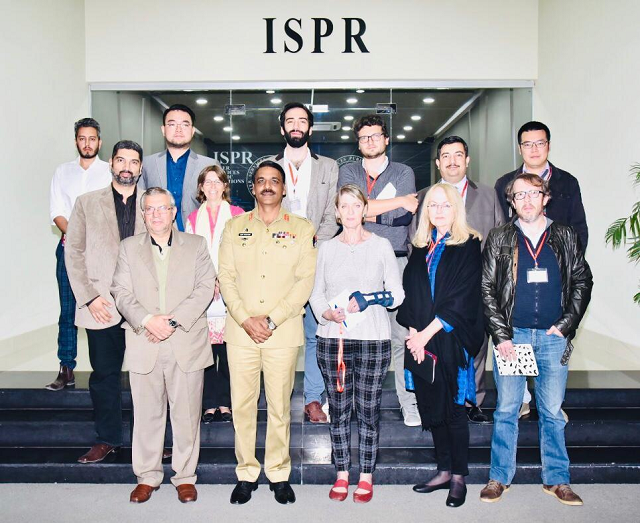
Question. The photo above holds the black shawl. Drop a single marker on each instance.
(458, 301)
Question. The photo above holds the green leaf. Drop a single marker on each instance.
(616, 234)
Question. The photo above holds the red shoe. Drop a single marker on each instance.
(363, 498)
(339, 496)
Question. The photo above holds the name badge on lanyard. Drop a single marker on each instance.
(295, 204)
(537, 274)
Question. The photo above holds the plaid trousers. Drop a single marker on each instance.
(67, 330)
(367, 363)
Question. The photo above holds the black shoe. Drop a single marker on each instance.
(476, 415)
(242, 492)
(456, 502)
(424, 488)
(209, 417)
(225, 417)
(283, 492)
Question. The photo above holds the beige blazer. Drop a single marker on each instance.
(190, 284)
(91, 251)
(321, 207)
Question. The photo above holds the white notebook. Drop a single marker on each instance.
(524, 365)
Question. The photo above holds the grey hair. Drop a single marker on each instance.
(152, 191)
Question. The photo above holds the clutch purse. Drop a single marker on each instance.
(524, 365)
(425, 370)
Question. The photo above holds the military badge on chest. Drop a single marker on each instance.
(284, 237)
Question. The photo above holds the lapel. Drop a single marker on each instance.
(161, 166)
(108, 207)
(145, 254)
(189, 172)
(175, 262)
(139, 227)
(314, 184)
(472, 196)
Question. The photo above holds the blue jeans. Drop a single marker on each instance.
(313, 382)
(67, 330)
(549, 386)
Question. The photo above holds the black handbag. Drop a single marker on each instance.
(425, 370)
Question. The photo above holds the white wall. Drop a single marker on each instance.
(587, 92)
(221, 41)
(43, 90)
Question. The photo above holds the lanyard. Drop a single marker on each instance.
(294, 179)
(535, 256)
(464, 189)
(370, 186)
(431, 252)
(342, 368)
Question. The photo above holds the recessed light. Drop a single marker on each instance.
(416, 117)
(346, 128)
(270, 91)
(345, 137)
(227, 129)
(352, 100)
(442, 88)
(218, 118)
(348, 118)
(201, 101)
(275, 100)
(401, 137)
(419, 141)
(408, 128)
(428, 100)
(360, 91)
(235, 137)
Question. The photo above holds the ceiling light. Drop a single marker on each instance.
(227, 129)
(346, 128)
(442, 88)
(360, 91)
(419, 141)
(428, 100)
(348, 118)
(218, 118)
(401, 137)
(408, 128)
(270, 91)
(201, 101)
(345, 137)
(275, 100)
(416, 117)
(235, 137)
(352, 100)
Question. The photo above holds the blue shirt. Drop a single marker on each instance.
(466, 377)
(175, 182)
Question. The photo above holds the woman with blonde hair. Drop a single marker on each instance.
(443, 312)
(208, 221)
(354, 352)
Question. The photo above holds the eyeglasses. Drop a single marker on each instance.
(446, 206)
(163, 209)
(539, 144)
(209, 183)
(534, 194)
(183, 125)
(375, 138)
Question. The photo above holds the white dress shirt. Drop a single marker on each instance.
(298, 193)
(461, 187)
(71, 180)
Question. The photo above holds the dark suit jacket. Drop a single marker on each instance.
(565, 205)
(482, 206)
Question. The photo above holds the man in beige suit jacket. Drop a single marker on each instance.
(163, 284)
(99, 221)
(311, 183)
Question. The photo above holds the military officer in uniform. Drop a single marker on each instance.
(267, 265)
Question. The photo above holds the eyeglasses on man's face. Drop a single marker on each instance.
(534, 194)
(376, 137)
(539, 144)
(162, 210)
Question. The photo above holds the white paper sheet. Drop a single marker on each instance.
(342, 301)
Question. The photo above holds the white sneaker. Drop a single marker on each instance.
(564, 415)
(325, 409)
(411, 416)
(525, 410)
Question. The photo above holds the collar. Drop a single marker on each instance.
(313, 155)
(545, 172)
(282, 215)
(382, 167)
(116, 194)
(309, 154)
(153, 242)
(460, 185)
(183, 158)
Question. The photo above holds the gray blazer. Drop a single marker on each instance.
(321, 209)
(154, 174)
(482, 206)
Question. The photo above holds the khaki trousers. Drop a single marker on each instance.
(150, 393)
(278, 367)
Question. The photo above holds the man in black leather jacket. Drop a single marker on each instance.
(536, 286)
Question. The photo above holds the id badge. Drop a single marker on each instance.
(295, 205)
(537, 276)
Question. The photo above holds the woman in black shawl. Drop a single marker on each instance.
(443, 312)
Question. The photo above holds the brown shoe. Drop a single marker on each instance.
(493, 491)
(314, 412)
(142, 493)
(65, 379)
(97, 453)
(187, 493)
(563, 493)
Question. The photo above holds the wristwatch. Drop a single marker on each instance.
(173, 323)
(272, 326)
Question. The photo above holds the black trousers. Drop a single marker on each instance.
(451, 442)
(106, 353)
(217, 388)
